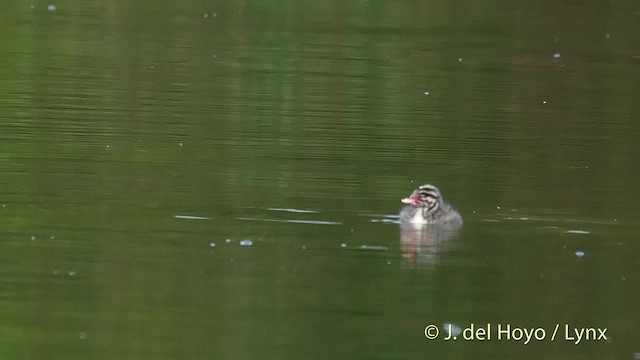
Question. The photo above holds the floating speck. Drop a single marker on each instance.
(304, 247)
(82, 335)
(51, 8)
(33, 238)
(544, 102)
(4, 205)
(426, 93)
(459, 60)
(452, 329)
(212, 244)
(556, 56)
(206, 15)
(343, 245)
(498, 207)
(180, 144)
(227, 240)
(608, 36)
(579, 253)
(246, 242)
(72, 273)
(52, 237)
(108, 146)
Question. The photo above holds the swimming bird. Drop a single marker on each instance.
(426, 206)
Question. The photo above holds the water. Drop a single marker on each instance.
(221, 180)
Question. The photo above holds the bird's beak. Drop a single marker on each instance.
(413, 199)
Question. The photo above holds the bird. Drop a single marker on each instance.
(426, 206)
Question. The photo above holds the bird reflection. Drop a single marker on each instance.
(421, 245)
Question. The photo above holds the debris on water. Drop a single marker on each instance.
(556, 56)
(51, 8)
(544, 102)
(426, 93)
(578, 232)
(459, 60)
(33, 238)
(343, 245)
(580, 253)
(498, 207)
(180, 144)
(246, 242)
(212, 244)
(227, 240)
(452, 329)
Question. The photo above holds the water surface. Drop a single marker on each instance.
(220, 180)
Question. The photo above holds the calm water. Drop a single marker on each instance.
(212, 180)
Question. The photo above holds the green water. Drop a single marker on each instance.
(142, 142)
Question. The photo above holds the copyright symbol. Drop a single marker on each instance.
(431, 332)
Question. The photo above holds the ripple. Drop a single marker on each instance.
(315, 222)
(372, 248)
(301, 211)
(189, 217)
(578, 232)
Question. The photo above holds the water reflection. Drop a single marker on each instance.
(421, 245)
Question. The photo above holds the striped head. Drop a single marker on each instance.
(426, 196)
